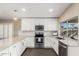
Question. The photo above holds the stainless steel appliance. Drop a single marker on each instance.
(39, 27)
(39, 36)
(62, 49)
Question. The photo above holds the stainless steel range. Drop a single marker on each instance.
(39, 36)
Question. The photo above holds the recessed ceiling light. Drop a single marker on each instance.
(50, 10)
(23, 9)
(15, 18)
(15, 10)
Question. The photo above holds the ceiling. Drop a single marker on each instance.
(32, 9)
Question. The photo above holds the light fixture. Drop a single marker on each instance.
(15, 10)
(15, 18)
(23, 9)
(50, 10)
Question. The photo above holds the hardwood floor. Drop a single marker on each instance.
(39, 52)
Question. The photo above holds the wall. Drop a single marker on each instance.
(28, 24)
(72, 11)
(17, 26)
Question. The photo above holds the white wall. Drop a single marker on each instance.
(28, 24)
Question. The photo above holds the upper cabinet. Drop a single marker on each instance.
(28, 24)
(69, 28)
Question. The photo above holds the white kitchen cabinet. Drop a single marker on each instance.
(22, 47)
(29, 42)
(54, 44)
(14, 50)
(47, 42)
(51, 42)
(50, 24)
(27, 24)
(5, 52)
(17, 49)
(25, 42)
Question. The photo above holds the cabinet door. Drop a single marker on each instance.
(17, 49)
(50, 24)
(55, 44)
(27, 25)
(25, 42)
(5, 52)
(30, 42)
(13, 51)
(47, 42)
(22, 47)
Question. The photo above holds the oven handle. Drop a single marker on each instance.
(63, 46)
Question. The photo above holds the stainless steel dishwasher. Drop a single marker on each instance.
(63, 49)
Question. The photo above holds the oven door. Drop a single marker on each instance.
(39, 43)
(39, 40)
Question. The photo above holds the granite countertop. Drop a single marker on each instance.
(70, 42)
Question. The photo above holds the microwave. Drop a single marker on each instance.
(39, 27)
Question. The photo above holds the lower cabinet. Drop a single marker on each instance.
(54, 44)
(51, 42)
(30, 42)
(17, 49)
(47, 42)
(13, 51)
(5, 52)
